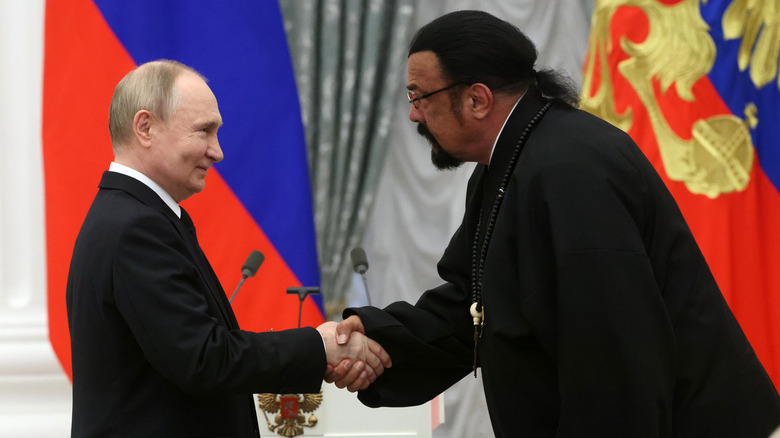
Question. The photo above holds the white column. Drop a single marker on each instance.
(35, 394)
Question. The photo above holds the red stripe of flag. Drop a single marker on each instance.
(83, 61)
(737, 231)
(82, 64)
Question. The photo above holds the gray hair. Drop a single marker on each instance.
(151, 87)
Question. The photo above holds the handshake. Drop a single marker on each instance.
(354, 360)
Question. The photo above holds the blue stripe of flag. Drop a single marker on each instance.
(240, 46)
(737, 89)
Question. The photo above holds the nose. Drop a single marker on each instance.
(214, 151)
(415, 114)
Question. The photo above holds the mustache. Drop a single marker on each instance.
(440, 158)
(423, 130)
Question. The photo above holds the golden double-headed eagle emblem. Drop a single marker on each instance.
(678, 51)
(287, 411)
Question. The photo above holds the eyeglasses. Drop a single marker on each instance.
(415, 99)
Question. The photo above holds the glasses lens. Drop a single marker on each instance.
(411, 96)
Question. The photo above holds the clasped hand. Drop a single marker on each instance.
(354, 360)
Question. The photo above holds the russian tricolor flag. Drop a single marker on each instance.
(260, 195)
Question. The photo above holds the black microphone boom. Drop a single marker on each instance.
(359, 260)
(360, 265)
(251, 265)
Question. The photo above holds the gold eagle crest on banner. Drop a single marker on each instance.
(678, 51)
(287, 411)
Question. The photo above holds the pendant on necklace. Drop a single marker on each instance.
(478, 315)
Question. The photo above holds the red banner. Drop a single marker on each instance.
(677, 76)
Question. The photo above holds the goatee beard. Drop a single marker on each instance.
(440, 158)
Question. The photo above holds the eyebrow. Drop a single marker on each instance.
(210, 124)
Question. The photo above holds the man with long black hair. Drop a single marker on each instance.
(573, 282)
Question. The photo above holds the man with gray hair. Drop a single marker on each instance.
(156, 348)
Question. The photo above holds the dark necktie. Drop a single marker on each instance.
(208, 272)
(190, 226)
(187, 220)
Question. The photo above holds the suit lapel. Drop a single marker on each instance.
(216, 295)
(206, 271)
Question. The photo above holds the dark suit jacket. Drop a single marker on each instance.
(601, 315)
(156, 348)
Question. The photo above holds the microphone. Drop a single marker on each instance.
(360, 265)
(359, 260)
(251, 265)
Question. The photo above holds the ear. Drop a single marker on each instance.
(142, 127)
(481, 99)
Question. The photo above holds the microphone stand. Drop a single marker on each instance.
(302, 293)
(360, 266)
(243, 278)
(365, 287)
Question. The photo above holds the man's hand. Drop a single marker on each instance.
(346, 327)
(356, 361)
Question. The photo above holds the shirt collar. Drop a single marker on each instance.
(132, 173)
(502, 128)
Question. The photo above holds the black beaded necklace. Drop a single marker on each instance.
(478, 254)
